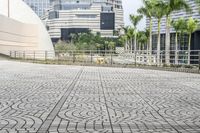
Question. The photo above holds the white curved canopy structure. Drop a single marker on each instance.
(22, 17)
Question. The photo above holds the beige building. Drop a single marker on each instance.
(66, 17)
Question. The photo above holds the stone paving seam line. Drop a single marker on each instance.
(105, 102)
(47, 123)
(156, 111)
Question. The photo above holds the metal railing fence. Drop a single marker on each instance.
(109, 57)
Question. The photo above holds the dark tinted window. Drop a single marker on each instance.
(53, 14)
(107, 21)
(66, 32)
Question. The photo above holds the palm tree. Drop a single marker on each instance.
(192, 25)
(131, 34)
(158, 13)
(147, 34)
(125, 37)
(147, 10)
(178, 26)
(135, 19)
(142, 40)
(172, 5)
(123, 40)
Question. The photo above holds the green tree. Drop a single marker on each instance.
(130, 35)
(135, 19)
(111, 45)
(142, 40)
(64, 46)
(147, 10)
(147, 34)
(192, 25)
(179, 26)
(172, 5)
(87, 41)
(158, 13)
(125, 37)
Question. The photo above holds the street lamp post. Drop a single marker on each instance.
(8, 8)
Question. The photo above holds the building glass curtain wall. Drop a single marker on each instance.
(38, 6)
(183, 41)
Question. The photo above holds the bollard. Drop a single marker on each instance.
(10, 54)
(24, 56)
(91, 57)
(199, 60)
(161, 58)
(46, 56)
(135, 59)
(111, 59)
(58, 58)
(34, 56)
(73, 54)
(15, 54)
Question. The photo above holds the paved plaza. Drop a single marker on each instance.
(37, 98)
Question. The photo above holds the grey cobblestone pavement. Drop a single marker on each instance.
(75, 99)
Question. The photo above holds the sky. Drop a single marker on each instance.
(130, 7)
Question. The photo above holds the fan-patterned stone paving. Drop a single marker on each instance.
(76, 99)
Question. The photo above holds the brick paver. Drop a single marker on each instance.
(76, 99)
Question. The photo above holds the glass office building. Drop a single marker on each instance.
(184, 40)
(38, 6)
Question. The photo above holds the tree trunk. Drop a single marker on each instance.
(135, 42)
(143, 48)
(147, 48)
(127, 47)
(150, 41)
(158, 43)
(189, 48)
(167, 41)
(140, 48)
(131, 45)
(176, 49)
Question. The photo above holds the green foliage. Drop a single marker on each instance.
(147, 9)
(179, 25)
(142, 37)
(147, 33)
(192, 25)
(63, 46)
(111, 45)
(123, 39)
(88, 41)
(131, 32)
(159, 9)
(135, 19)
(174, 5)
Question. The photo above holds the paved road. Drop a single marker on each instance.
(75, 99)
